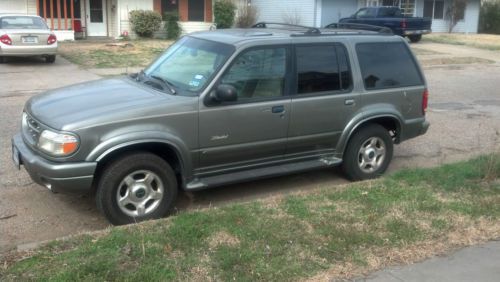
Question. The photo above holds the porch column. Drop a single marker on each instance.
(66, 14)
(52, 14)
(59, 14)
(45, 9)
(72, 11)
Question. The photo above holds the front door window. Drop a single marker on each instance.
(96, 14)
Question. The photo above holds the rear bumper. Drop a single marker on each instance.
(57, 177)
(417, 32)
(414, 128)
(34, 50)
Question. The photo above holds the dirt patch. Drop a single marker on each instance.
(223, 239)
(483, 41)
(454, 61)
(112, 54)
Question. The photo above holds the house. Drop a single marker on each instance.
(322, 12)
(107, 18)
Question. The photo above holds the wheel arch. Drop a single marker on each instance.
(389, 121)
(164, 149)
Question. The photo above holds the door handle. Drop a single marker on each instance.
(349, 102)
(278, 109)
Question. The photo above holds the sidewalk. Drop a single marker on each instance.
(475, 263)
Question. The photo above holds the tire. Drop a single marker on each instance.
(50, 59)
(2, 60)
(126, 178)
(368, 153)
(415, 38)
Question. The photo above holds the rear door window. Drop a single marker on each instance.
(387, 65)
(322, 68)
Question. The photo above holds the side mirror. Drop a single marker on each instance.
(225, 93)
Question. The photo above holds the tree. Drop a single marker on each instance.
(455, 13)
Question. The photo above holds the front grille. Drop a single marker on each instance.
(31, 129)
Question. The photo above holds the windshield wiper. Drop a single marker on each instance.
(166, 82)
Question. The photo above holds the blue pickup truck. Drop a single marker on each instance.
(393, 18)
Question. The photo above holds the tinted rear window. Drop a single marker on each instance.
(322, 68)
(22, 22)
(387, 65)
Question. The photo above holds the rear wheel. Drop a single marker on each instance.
(2, 60)
(415, 38)
(136, 187)
(368, 153)
(50, 59)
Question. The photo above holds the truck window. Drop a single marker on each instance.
(258, 74)
(322, 68)
(387, 65)
(366, 13)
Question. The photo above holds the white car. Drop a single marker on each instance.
(24, 36)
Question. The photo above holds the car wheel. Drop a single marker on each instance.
(2, 60)
(50, 59)
(136, 187)
(415, 38)
(368, 153)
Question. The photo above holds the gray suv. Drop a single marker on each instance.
(223, 107)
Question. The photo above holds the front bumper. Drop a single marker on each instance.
(57, 177)
(417, 32)
(32, 50)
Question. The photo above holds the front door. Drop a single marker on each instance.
(96, 18)
(253, 129)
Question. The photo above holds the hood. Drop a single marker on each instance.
(93, 102)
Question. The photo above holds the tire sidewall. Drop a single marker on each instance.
(116, 171)
(350, 162)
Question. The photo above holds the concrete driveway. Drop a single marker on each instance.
(464, 115)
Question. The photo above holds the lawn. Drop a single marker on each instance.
(336, 232)
(112, 54)
(482, 41)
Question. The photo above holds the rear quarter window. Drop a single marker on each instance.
(387, 65)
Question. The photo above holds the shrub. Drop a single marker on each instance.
(489, 19)
(247, 16)
(172, 25)
(145, 23)
(224, 13)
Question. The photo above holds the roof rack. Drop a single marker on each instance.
(309, 30)
(356, 26)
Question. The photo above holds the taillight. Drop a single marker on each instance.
(52, 39)
(425, 101)
(403, 24)
(5, 39)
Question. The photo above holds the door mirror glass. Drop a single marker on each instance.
(225, 93)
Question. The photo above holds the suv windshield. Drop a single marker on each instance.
(189, 64)
(22, 22)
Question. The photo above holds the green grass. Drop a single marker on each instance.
(296, 237)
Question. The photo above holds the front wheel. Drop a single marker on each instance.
(136, 187)
(415, 38)
(368, 153)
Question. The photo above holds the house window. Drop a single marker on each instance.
(169, 6)
(434, 9)
(196, 10)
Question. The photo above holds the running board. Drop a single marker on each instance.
(260, 173)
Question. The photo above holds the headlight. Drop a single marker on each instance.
(57, 144)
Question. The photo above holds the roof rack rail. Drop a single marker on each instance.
(356, 26)
(309, 30)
